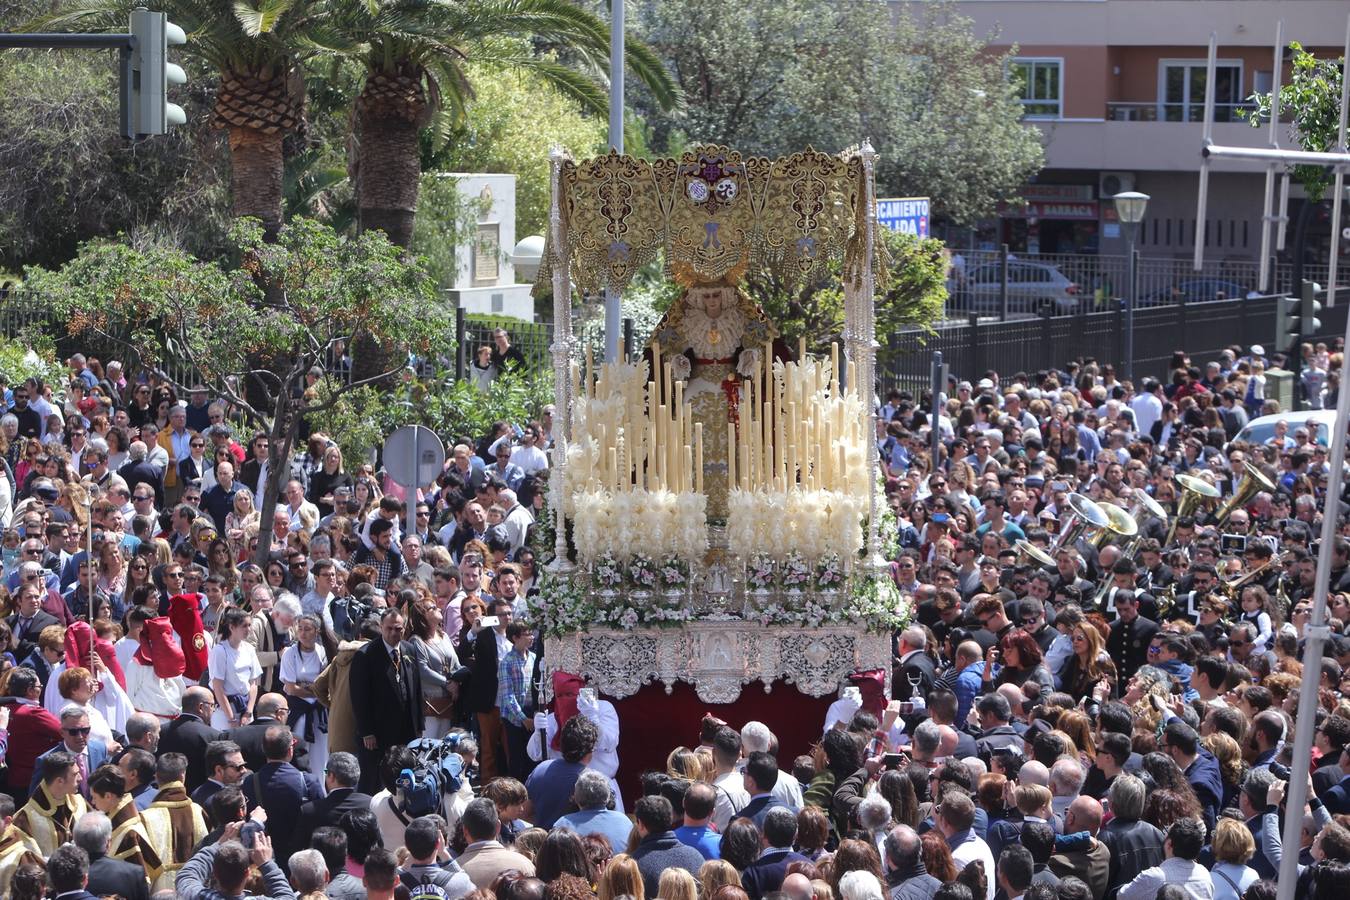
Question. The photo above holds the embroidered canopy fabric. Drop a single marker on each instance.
(711, 213)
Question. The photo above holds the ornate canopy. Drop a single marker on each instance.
(711, 214)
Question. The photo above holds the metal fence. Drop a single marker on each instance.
(972, 346)
(1060, 282)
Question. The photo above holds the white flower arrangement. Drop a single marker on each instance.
(674, 573)
(795, 574)
(810, 524)
(829, 573)
(657, 524)
(642, 573)
(607, 572)
(760, 572)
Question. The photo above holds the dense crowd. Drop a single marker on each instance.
(1093, 697)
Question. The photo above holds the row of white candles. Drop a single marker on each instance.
(794, 428)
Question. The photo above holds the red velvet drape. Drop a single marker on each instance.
(652, 723)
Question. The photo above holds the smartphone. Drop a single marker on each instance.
(587, 694)
(892, 760)
(489, 621)
(248, 835)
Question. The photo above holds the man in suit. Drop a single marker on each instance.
(108, 876)
(914, 668)
(1131, 635)
(490, 647)
(760, 777)
(765, 875)
(269, 710)
(189, 734)
(32, 729)
(254, 472)
(340, 780)
(485, 858)
(68, 873)
(281, 790)
(386, 696)
(226, 764)
(89, 753)
(137, 471)
(28, 622)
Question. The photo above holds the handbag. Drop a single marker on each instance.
(439, 707)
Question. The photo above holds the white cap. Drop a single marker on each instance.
(985, 383)
(1258, 350)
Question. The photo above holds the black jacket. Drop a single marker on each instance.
(134, 473)
(1128, 644)
(250, 740)
(1135, 846)
(483, 682)
(108, 876)
(390, 709)
(327, 810)
(189, 736)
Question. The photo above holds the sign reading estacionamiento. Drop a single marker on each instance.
(907, 215)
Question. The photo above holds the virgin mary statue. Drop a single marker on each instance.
(714, 336)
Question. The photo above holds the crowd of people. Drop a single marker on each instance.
(1081, 706)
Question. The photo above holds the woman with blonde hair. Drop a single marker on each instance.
(1232, 767)
(685, 763)
(1233, 849)
(1089, 663)
(242, 514)
(715, 873)
(621, 878)
(1076, 726)
(677, 884)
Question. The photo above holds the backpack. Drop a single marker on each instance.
(438, 771)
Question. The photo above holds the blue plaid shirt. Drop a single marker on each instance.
(513, 686)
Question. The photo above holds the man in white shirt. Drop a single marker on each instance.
(954, 817)
(518, 519)
(1147, 406)
(756, 737)
(732, 796)
(527, 455)
(1184, 841)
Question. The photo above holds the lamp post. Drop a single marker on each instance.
(1130, 207)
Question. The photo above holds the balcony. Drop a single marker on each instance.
(1142, 144)
(1173, 112)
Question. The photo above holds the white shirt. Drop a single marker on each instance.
(149, 693)
(531, 459)
(1147, 409)
(976, 850)
(237, 667)
(731, 799)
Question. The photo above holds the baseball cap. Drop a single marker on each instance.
(1258, 350)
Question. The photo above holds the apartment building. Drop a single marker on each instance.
(1118, 88)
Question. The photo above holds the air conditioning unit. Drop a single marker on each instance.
(1112, 183)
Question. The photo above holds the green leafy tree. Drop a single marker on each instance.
(252, 348)
(1311, 102)
(780, 75)
(914, 294)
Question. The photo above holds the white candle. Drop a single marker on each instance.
(656, 365)
(698, 458)
(732, 450)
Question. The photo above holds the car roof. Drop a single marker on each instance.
(1320, 416)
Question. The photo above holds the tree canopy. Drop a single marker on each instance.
(1311, 103)
(780, 75)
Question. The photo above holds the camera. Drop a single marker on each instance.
(248, 835)
(1233, 543)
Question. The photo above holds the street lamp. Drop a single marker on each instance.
(1130, 207)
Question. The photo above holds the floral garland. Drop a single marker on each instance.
(569, 606)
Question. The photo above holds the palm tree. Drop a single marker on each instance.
(414, 53)
(257, 46)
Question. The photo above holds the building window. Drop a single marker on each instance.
(1038, 85)
(1181, 90)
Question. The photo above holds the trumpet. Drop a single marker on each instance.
(1085, 514)
(1253, 481)
(1232, 587)
(1194, 493)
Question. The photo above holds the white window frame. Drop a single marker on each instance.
(1193, 63)
(1057, 61)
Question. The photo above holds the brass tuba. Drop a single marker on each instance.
(1194, 493)
(1028, 553)
(1086, 513)
(1120, 524)
(1253, 481)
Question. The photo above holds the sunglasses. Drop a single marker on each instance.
(78, 732)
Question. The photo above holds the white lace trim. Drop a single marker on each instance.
(713, 338)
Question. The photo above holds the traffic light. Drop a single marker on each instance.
(1287, 323)
(152, 73)
(1308, 308)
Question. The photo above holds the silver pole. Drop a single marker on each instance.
(1132, 285)
(1264, 154)
(613, 300)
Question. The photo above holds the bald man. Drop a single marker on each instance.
(797, 886)
(1083, 856)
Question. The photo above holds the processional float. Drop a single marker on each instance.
(715, 501)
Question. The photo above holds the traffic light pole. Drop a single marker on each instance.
(124, 44)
